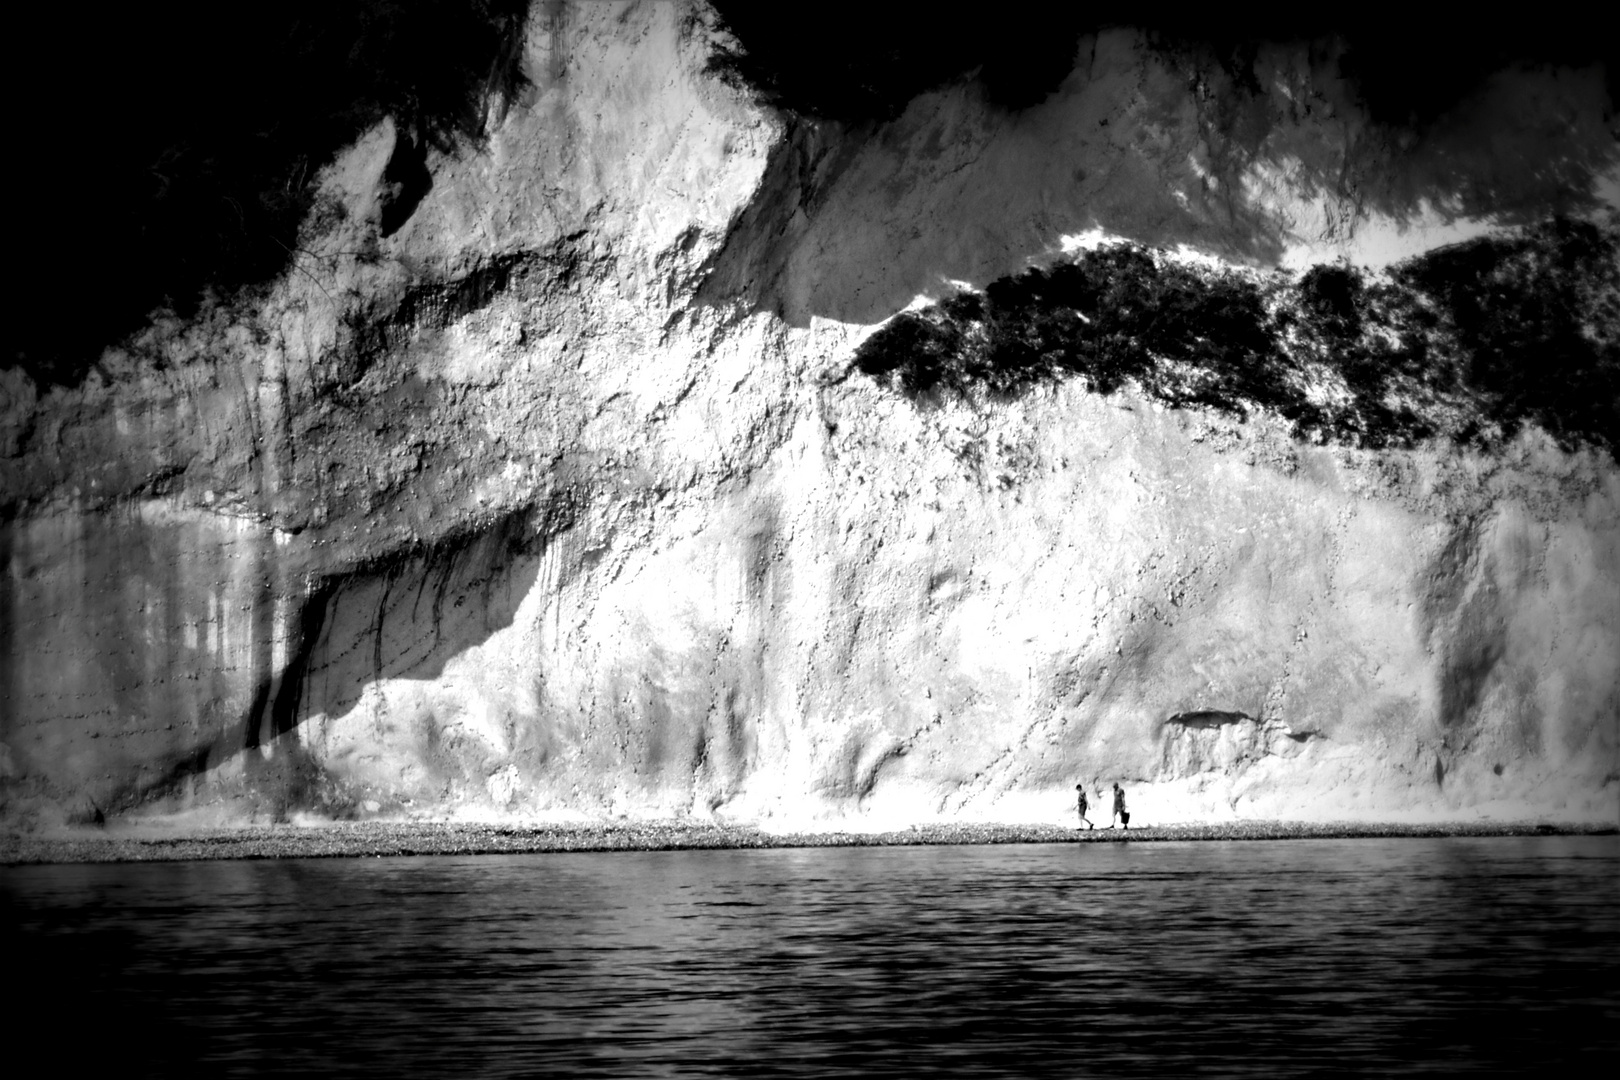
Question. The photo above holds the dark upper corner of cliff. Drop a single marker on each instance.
(861, 62)
(855, 61)
(175, 157)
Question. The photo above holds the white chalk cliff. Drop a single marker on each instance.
(562, 499)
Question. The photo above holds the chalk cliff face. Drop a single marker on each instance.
(555, 489)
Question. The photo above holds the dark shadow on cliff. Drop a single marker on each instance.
(403, 616)
(164, 153)
(1471, 342)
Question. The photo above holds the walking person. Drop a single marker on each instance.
(1081, 788)
(1119, 807)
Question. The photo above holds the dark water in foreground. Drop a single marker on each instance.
(1386, 957)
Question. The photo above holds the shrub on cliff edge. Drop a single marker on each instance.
(1471, 341)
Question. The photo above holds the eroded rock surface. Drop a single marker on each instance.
(547, 483)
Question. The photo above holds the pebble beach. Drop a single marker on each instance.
(399, 839)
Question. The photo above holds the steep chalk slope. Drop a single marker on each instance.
(564, 498)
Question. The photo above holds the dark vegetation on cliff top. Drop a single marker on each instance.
(1469, 342)
(165, 152)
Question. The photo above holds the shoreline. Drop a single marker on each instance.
(403, 839)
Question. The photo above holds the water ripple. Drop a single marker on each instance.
(1388, 957)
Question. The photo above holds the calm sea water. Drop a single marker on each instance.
(1384, 957)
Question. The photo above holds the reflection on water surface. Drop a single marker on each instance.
(1403, 956)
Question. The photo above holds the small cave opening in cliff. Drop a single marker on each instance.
(173, 148)
(1470, 342)
(1208, 718)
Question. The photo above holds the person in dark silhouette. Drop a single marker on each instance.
(1119, 807)
(1081, 788)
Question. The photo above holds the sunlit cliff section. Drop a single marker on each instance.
(670, 436)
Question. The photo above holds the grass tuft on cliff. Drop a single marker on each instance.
(1470, 342)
